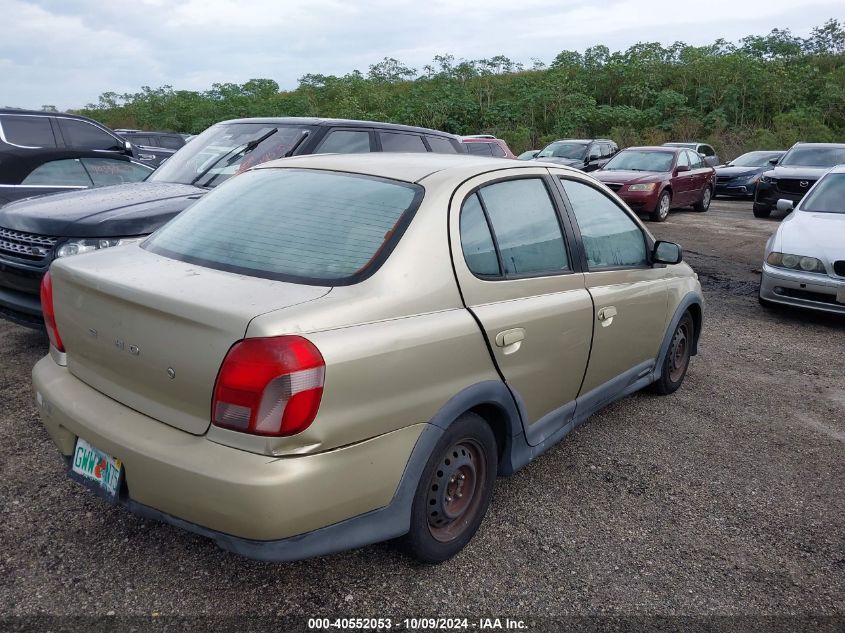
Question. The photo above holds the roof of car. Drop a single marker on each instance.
(836, 145)
(295, 120)
(680, 143)
(655, 148)
(406, 167)
(21, 111)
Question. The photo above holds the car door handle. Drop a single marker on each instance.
(606, 315)
(510, 338)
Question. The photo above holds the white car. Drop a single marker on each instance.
(805, 258)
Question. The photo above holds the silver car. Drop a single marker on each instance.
(805, 258)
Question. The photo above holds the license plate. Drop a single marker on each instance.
(96, 469)
(840, 295)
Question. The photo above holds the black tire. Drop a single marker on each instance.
(445, 514)
(661, 210)
(675, 363)
(706, 197)
(762, 210)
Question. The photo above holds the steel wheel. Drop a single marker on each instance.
(679, 351)
(456, 490)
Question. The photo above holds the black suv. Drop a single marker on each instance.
(153, 148)
(795, 174)
(583, 154)
(35, 232)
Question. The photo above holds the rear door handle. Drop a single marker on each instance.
(510, 339)
(606, 315)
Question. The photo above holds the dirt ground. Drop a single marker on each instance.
(724, 498)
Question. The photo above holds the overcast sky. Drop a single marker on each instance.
(67, 52)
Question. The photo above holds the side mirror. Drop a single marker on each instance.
(667, 253)
(592, 157)
(681, 169)
(127, 148)
(785, 205)
(774, 161)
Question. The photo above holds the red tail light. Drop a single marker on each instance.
(269, 386)
(50, 313)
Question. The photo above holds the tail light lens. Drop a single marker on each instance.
(49, 312)
(269, 386)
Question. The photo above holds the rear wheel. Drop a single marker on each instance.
(704, 203)
(676, 360)
(762, 210)
(661, 211)
(454, 491)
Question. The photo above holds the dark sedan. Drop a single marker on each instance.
(655, 179)
(739, 177)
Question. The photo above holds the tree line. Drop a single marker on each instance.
(763, 92)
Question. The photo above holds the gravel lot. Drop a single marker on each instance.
(724, 498)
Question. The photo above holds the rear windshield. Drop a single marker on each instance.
(302, 225)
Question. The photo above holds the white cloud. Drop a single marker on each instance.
(67, 52)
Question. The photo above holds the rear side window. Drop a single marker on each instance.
(108, 171)
(526, 226)
(59, 173)
(299, 225)
(497, 150)
(476, 240)
(28, 131)
(345, 142)
(171, 142)
(611, 238)
(394, 142)
(441, 145)
(707, 150)
(479, 149)
(85, 135)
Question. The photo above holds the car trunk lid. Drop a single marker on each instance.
(151, 332)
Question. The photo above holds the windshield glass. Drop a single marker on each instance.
(300, 225)
(220, 152)
(634, 160)
(828, 196)
(754, 159)
(809, 156)
(562, 149)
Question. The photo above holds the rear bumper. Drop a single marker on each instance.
(802, 290)
(272, 508)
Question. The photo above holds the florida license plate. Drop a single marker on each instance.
(96, 469)
(840, 295)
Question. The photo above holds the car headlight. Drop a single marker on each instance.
(77, 247)
(648, 186)
(795, 262)
(767, 179)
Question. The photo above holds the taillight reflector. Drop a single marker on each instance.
(269, 386)
(49, 312)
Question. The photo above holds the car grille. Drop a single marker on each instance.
(839, 267)
(614, 186)
(27, 246)
(723, 179)
(796, 186)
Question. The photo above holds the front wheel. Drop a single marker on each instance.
(762, 210)
(661, 211)
(676, 360)
(454, 491)
(704, 203)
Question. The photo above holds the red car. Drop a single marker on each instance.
(655, 179)
(484, 145)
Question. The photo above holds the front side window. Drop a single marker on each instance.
(476, 240)
(59, 173)
(171, 141)
(27, 131)
(707, 150)
(108, 171)
(302, 225)
(683, 160)
(395, 142)
(441, 145)
(828, 196)
(526, 226)
(695, 160)
(611, 238)
(88, 136)
(479, 149)
(345, 142)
